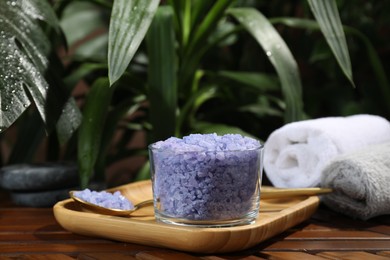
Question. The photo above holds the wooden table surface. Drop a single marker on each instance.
(33, 233)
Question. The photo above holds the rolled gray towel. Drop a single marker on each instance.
(360, 181)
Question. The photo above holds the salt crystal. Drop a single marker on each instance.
(105, 199)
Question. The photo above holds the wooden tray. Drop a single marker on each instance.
(276, 215)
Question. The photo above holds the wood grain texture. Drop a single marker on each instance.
(281, 214)
(352, 256)
(34, 234)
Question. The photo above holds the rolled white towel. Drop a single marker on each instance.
(360, 181)
(296, 154)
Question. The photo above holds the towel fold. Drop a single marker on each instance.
(360, 181)
(296, 154)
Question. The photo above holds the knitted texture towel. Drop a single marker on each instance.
(296, 154)
(360, 181)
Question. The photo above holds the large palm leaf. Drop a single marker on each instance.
(27, 75)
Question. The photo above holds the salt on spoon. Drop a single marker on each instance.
(106, 203)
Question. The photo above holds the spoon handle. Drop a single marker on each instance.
(143, 204)
(274, 193)
(268, 192)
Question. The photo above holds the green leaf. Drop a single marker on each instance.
(81, 72)
(208, 24)
(191, 54)
(257, 81)
(69, 121)
(82, 13)
(377, 67)
(90, 39)
(144, 172)
(127, 107)
(296, 22)
(91, 128)
(186, 23)
(192, 105)
(326, 13)
(130, 20)
(24, 48)
(279, 55)
(264, 107)
(162, 74)
(94, 49)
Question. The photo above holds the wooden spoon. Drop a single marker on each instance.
(90, 207)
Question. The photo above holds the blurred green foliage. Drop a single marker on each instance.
(201, 68)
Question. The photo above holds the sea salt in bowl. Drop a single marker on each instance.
(206, 180)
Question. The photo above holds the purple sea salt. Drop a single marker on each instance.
(206, 177)
(105, 199)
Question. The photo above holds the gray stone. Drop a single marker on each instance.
(39, 177)
(39, 199)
